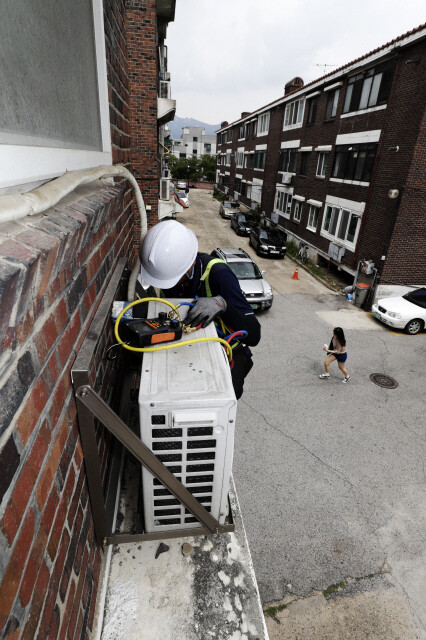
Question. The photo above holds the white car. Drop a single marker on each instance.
(183, 199)
(181, 184)
(406, 312)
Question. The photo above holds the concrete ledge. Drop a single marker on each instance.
(211, 593)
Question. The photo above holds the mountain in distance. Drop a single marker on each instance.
(176, 126)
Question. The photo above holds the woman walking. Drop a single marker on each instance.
(336, 351)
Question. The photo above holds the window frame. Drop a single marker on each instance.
(332, 103)
(282, 202)
(263, 122)
(25, 166)
(288, 160)
(312, 106)
(313, 209)
(360, 86)
(297, 116)
(346, 168)
(297, 206)
(304, 160)
(335, 217)
(321, 171)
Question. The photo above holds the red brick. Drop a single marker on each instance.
(36, 603)
(32, 569)
(13, 573)
(68, 611)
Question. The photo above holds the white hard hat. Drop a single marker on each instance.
(168, 251)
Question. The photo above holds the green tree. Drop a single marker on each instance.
(208, 167)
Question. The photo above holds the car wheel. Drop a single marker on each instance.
(414, 326)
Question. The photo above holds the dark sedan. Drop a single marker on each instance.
(241, 223)
(267, 242)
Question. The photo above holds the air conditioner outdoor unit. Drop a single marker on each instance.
(336, 251)
(187, 409)
(287, 178)
(164, 189)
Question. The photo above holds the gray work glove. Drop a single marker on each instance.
(204, 311)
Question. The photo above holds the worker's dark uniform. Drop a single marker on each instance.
(238, 315)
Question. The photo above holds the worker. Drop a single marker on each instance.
(170, 261)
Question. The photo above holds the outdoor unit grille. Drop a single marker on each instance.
(187, 411)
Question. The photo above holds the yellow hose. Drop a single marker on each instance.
(173, 345)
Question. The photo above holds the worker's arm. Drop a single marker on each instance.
(238, 315)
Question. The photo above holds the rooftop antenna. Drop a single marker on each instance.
(324, 66)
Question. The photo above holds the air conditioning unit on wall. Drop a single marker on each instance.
(164, 189)
(187, 409)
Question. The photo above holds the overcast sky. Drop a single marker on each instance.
(229, 56)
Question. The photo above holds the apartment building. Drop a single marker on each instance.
(194, 142)
(339, 164)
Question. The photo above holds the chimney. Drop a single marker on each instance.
(245, 114)
(223, 124)
(292, 85)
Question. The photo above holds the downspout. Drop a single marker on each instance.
(15, 206)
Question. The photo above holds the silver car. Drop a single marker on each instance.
(227, 209)
(255, 288)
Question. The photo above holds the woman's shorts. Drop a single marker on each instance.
(340, 357)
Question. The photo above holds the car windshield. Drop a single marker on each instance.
(417, 297)
(245, 270)
(182, 194)
(274, 237)
(227, 205)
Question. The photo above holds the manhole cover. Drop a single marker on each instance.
(383, 380)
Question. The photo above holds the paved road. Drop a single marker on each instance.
(330, 477)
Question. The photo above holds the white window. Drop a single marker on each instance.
(53, 121)
(297, 211)
(322, 164)
(240, 157)
(283, 200)
(242, 132)
(313, 217)
(293, 115)
(263, 124)
(341, 224)
(228, 158)
(249, 191)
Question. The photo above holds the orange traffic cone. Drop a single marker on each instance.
(295, 275)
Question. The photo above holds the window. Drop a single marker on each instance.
(297, 211)
(313, 217)
(259, 159)
(332, 101)
(254, 129)
(304, 163)
(240, 158)
(354, 162)
(250, 161)
(32, 121)
(322, 164)
(370, 88)
(242, 131)
(293, 116)
(207, 147)
(283, 201)
(340, 223)
(229, 135)
(288, 160)
(195, 139)
(249, 191)
(228, 158)
(194, 151)
(237, 185)
(182, 155)
(312, 109)
(263, 124)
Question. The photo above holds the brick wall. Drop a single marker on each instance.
(142, 63)
(54, 269)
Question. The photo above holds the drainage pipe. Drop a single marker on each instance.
(15, 206)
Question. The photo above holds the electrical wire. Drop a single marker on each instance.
(167, 346)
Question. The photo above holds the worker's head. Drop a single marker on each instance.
(167, 253)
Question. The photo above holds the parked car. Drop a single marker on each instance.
(241, 223)
(255, 288)
(181, 198)
(267, 242)
(227, 209)
(181, 184)
(406, 312)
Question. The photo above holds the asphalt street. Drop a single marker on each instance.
(330, 477)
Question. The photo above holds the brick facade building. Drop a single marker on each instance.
(338, 163)
(54, 269)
